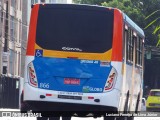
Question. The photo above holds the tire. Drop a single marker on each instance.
(24, 106)
(66, 118)
(42, 118)
(130, 118)
(125, 118)
(109, 118)
(137, 103)
(126, 103)
(126, 110)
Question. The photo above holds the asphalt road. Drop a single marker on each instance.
(73, 118)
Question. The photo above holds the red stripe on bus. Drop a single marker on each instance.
(117, 51)
(32, 31)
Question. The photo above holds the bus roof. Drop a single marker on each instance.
(133, 25)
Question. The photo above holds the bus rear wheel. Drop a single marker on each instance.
(108, 118)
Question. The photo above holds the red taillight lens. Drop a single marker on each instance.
(90, 97)
(32, 75)
(111, 80)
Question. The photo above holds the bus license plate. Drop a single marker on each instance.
(71, 81)
(70, 97)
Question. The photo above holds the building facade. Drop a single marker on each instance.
(10, 37)
(30, 2)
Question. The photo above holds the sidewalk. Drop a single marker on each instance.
(9, 109)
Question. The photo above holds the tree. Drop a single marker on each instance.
(156, 24)
(124, 5)
(92, 2)
(129, 8)
(149, 6)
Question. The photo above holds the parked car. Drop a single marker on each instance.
(153, 100)
(143, 104)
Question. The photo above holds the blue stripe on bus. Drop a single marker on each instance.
(51, 73)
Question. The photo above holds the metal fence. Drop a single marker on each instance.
(9, 92)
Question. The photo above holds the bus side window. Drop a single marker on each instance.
(125, 42)
(139, 47)
(130, 44)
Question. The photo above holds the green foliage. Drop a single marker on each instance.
(93, 2)
(149, 9)
(151, 23)
(156, 30)
(156, 24)
(127, 7)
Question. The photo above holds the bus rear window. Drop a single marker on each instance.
(78, 29)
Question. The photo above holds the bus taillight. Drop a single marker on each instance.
(110, 81)
(32, 75)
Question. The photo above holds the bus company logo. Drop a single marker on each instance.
(91, 89)
(86, 89)
(39, 53)
(71, 49)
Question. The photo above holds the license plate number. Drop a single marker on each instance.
(71, 81)
(70, 97)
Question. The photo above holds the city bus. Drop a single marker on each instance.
(83, 58)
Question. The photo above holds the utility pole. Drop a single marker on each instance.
(6, 38)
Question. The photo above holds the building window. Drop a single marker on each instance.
(12, 29)
(1, 15)
(52, 1)
(11, 62)
(20, 5)
(13, 3)
(1, 22)
(16, 63)
(32, 2)
(36, 1)
(19, 61)
(20, 31)
(43, 1)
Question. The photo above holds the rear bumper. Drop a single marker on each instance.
(108, 99)
(67, 107)
(54, 109)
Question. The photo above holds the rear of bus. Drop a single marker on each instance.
(71, 61)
